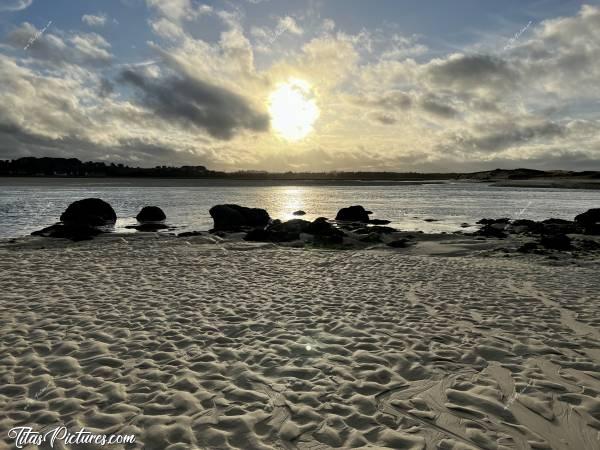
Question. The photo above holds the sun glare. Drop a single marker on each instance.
(293, 109)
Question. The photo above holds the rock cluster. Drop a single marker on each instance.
(150, 219)
(353, 214)
(589, 221)
(151, 214)
(81, 220)
(549, 234)
(84, 219)
(238, 218)
(90, 212)
(319, 231)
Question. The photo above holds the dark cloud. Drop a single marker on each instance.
(435, 106)
(193, 102)
(15, 142)
(466, 72)
(507, 136)
(383, 119)
(393, 100)
(106, 88)
(385, 105)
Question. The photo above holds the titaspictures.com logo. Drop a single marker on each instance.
(24, 436)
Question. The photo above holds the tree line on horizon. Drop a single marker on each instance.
(31, 166)
(73, 167)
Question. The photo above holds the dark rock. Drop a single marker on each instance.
(89, 212)
(351, 226)
(491, 230)
(556, 242)
(261, 235)
(151, 214)
(80, 220)
(329, 239)
(258, 235)
(324, 233)
(493, 227)
(291, 226)
(73, 232)
(321, 227)
(148, 227)
(299, 213)
(558, 226)
(375, 229)
(383, 230)
(589, 221)
(400, 243)
(587, 244)
(527, 247)
(465, 225)
(526, 226)
(379, 222)
(553, 221)
(430, 220)
(190, 234)
(235, 217)
(371, 238)
(353, 214)
(279, 231)
(504, 220)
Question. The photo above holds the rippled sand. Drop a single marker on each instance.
(189, 345)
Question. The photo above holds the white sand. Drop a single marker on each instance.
(188, 345)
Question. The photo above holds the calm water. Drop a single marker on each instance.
(30, 204)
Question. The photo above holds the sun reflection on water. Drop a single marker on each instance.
(293, 199)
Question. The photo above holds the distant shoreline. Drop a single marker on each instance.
(183, 182)
(551, 183)
(72, 168)
(534, 183)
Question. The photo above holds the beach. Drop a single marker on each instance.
(197, 343)
(299, 225)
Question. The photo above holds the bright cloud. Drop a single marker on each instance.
(92, 20)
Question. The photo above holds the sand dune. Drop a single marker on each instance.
(190, 345)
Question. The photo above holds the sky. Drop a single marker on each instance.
(303, 85)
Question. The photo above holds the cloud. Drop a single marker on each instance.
(266, 37)
(381, 118)
(15, 5)
(58, 48)
(98, 20)
(15, 142)
(289, 24)
(562, 56)
(436, 106)
(390, 101)
(470, 72)
(179, 10)
(193, 102)
(106, 88)
(167, 29)
(402, 47)
(500, 136)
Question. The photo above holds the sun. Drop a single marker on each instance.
(293, 109)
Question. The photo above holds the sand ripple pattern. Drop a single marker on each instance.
(195, 346)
